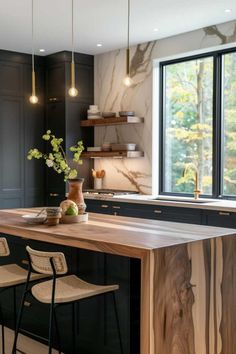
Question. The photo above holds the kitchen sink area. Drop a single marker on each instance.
(184, 200)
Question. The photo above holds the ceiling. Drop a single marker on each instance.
(103, 21)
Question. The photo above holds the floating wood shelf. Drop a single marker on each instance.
(111, 121)
(114, 154)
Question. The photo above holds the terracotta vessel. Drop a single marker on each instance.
(76, 193)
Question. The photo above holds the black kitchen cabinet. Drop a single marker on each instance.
(63, 113)
(219, 218)
(21, 127)
(146, 211)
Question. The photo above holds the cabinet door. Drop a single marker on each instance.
(34, 127)
(96, 315)
(55, 81)
(55, 185)
(11, 153)
(98, 206)
(175, 214)
(11, 74)
(220, 218)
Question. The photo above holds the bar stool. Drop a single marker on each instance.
(67, 289)
(11, 276)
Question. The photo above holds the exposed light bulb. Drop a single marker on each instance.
(73, 92)
(33, 99)
(127, 81)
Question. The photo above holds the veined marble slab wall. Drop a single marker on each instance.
(112, 95)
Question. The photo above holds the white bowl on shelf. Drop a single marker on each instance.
(123, 147)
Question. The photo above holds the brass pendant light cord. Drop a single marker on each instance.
(73, 48)
(33, 67)
(128, 42)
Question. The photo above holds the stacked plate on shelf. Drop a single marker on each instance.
(93, 112)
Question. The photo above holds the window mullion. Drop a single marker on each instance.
(217, 127)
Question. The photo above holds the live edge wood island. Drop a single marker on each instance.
(188, 275)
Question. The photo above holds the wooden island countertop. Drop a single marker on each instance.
(112, 234)
(188, 275)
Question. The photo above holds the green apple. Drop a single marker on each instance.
(72, 210)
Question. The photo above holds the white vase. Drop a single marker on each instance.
(97, 183)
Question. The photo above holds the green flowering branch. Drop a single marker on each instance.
(57, 159)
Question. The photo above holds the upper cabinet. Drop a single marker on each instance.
(64, 113)
(26, 183)
(21, 127)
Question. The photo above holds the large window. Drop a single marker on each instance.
(229, 124)
(198, 125)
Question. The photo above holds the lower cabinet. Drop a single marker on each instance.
(219, 218)
(146, 211)
(97, 330)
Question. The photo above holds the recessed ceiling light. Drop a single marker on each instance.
(99, 45)
(42, 50)
(228, 10)
(156, 29)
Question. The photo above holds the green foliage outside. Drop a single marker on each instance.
(188, 125)
(229, 110)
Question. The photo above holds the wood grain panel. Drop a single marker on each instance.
(228, 322)
(173, 302)
(194, 298)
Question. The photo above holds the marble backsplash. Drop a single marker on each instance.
(112, 95)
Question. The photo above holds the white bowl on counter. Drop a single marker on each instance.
(34, 219)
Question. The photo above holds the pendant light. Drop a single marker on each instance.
(127, 80)
(73, 92)
(33, 98)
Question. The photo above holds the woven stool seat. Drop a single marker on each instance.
(12, 274)
(69, 288)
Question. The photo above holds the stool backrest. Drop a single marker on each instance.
(41, 261)
(4, 249)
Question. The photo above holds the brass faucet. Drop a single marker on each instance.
(192, 166)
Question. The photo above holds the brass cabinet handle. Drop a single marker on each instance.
(53, 99)
(115, 207)
(25, 261)
(104, 206)
(158, 211)
(224, 213)
(27, 303)
(54, 194)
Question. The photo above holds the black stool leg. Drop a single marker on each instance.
(14, 306)
(57, 331)
(51, 328)
(117, 321)
(3, 331)
(18, 323)
(74, 327)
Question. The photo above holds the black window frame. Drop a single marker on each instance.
(217, 147)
